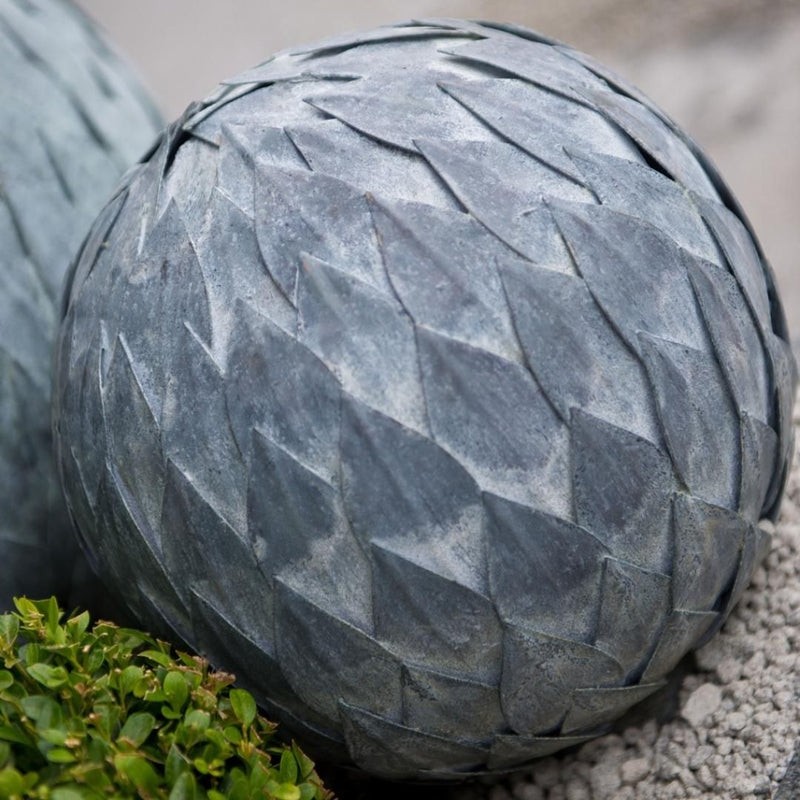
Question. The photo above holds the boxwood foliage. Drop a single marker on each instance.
(103, 711)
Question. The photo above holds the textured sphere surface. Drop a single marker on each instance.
(72, 119)
(431, 380)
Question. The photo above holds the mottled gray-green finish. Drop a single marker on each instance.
(432, 381)
(72, 119)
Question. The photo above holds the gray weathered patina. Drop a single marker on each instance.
(72, 119)
(433, 381)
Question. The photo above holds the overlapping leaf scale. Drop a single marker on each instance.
(512, 750)
(653, 136)
(392, 750)
(134, 450)
(708, 544)
(404, 492)
(623, 486)
(784, 378)
(642, 192)
(698, 418)
(542, 123)
(332, 148)
(493, 417)
(639, 596)
(212, 456)
(364, 337)
(578, 358)
(503, 189)
(534, 62)
(125, 540)
(293, 212)
(636, 274)
(450, 706)
(325, 658)
(760, 447)
(253, 658)
(536, 701)
(592, 707)
(302, 537)
(234, 272)
(274, 385)
(164, 292)
(735, 338)
(399, 109)
(560, 582)
(433, 620)
(443, 265)
(201, 545)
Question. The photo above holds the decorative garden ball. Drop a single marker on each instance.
(72, 119)
(433, 381)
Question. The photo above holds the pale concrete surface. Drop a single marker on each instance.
(727, 70)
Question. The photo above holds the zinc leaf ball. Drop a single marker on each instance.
(431, 380)
(72, 119)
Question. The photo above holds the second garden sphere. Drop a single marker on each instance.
(73, 118)
(431, 380)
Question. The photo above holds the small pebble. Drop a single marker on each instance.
(634, 770)
(605, 780)
(702, 702)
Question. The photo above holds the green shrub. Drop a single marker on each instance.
(106, 712)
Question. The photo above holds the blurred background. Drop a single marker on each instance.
(728, 71)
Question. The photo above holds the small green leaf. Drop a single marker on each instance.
(162, 659)
(138, 771)
(283, 791)
(53, 615)
(198, 720)
(216, 738)
(213, 795)
(244, 707)
(258, 778)
(78, 625)
(200, 765)
(94, 660)
(68, 793)
(304, 762)
(233, 735)
(60, 755)
(307, 791)
(27, 608)
(51, 677)
(9, 628)
(288, 768)
(43, 710)
(174, 766)
(137, 728)
(175, 689)
(185, 788)
(129, 677)
(6, 679)
(53, 735)
(13, 733)
(11, 783)
(168, 713)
